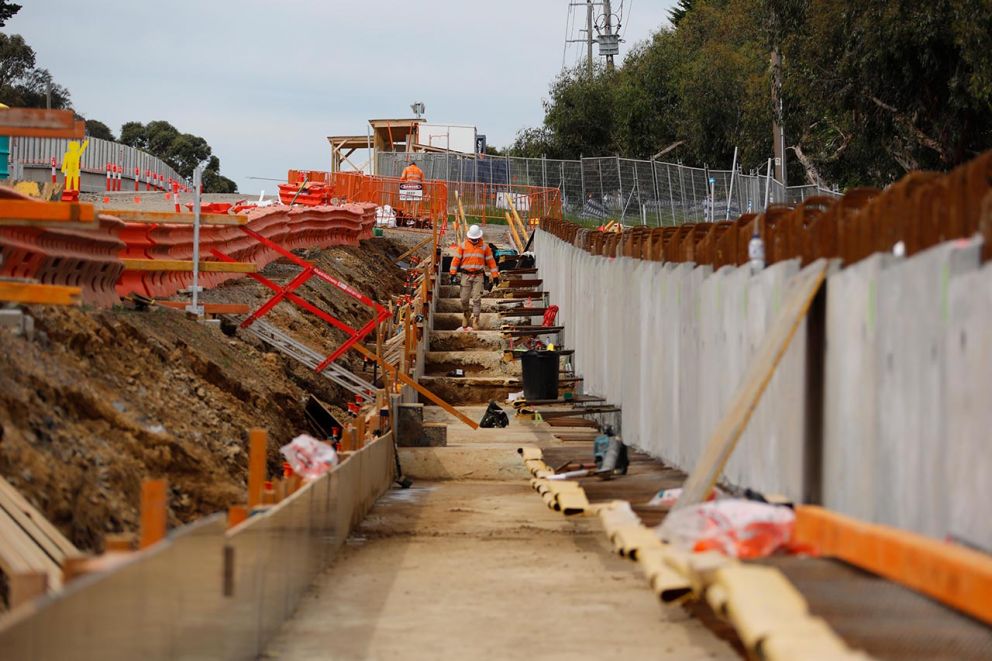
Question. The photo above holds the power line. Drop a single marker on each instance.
(630, 9)
(568, 33)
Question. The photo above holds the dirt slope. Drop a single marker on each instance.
(100, 399)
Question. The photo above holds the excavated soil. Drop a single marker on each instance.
(98, 400)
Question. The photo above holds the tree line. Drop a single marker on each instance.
(868, 89)
(23, 84)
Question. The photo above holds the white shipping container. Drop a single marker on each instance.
(448, 136)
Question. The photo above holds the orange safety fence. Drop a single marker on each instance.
(314, 187)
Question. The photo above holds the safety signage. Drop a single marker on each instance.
(411, 191)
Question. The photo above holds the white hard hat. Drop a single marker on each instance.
(474, 232)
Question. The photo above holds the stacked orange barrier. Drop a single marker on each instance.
(85, 258)
(291, 228)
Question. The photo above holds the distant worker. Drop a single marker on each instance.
(412, 173)
(71, 164)
(472, 258)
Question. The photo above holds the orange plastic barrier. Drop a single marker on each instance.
(291, 228)
(315, 188)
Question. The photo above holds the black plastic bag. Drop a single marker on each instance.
(494, 417)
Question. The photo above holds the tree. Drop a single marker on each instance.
(579, 113)
(881, 93)
(869, 89)
(133, 135)
(532, 143)
(678, 12)
(181, 151)
(97, 129)
(16, 59)
(7, 11)
(21, 83)
(213, 182)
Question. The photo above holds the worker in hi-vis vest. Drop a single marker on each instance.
(471, 259)
(412, 173)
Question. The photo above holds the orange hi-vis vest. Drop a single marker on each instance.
(412, 173)
(473, 258)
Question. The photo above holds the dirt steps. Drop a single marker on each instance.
(453, 321)
(473, 363)
(454, 291)
(451, 340)
(454, 305)
(459, 391)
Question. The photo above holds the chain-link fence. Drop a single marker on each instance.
(628, 190)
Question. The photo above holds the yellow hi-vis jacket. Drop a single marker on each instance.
(474, 258)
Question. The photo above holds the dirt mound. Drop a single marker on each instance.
(100, 399)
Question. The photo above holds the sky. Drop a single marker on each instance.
(266, 82)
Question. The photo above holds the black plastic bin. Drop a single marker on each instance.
(540, 370)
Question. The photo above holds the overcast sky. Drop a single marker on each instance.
(266, 81)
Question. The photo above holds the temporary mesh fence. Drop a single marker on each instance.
(631, 191)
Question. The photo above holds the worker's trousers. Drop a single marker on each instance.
(472, 287)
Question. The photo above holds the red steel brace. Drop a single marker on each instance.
(286, 292)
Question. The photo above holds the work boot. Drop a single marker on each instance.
(476, 324)
(467, 321)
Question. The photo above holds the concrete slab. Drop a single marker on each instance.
(466, 570)
(477, 461)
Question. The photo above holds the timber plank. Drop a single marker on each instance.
(12, 497)
(33, 212)
(184, 265)
(34, 293)
(172, 218)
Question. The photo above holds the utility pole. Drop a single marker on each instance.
(609, 34)
(775, 31)
(778, 119)
(589, 38)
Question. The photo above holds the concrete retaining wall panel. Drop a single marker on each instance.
(967, 413)
(907, 372)
(670, 343)
(912, 321)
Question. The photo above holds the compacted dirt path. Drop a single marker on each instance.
(483, 570)
(474, 565)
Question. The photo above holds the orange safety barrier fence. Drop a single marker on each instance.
(314, 187)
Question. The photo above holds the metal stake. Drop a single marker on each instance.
(195, 307)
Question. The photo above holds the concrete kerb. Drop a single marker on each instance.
(172, 600)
